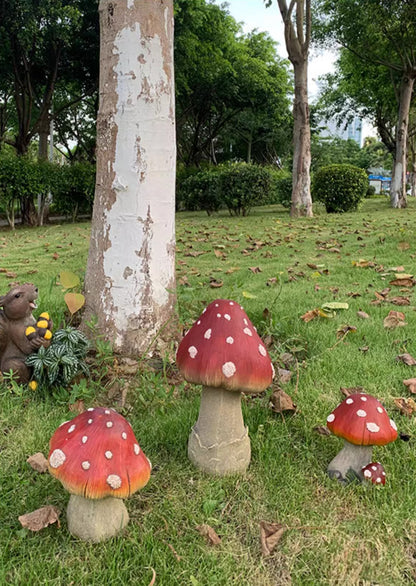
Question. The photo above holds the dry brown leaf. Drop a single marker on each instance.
(11, 275)
(310, 315)
(281, 401)
(395, 319)
(403, 246)
(402, 282)
(407, 359)
(41, 518)
(284, 375)
(406, 406)
(209, 533)
(362, 315)
(410, 384)
(400, 300)
(215, 283)
(347, 391)
(219, 254)
(38, 462)
(255, 270)
(77, 407)
(345, 329)
(270, 535)
(322, 430)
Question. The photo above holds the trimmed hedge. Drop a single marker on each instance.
(340, 188)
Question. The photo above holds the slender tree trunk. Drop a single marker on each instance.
(301, 195)
(130, 278)
(398, 197)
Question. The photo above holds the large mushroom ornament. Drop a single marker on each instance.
(98, 460)
(223, 353)
(362, 421)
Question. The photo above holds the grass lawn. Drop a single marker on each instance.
(278, 269)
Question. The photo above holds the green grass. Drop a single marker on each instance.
(335, 535)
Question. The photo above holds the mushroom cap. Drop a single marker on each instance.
(374, 472)
(362, 420)
(223, 349)
(96, 455)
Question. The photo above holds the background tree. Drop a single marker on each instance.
(383, 33)
(297, 19)
(130, 272)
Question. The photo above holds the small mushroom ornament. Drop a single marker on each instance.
(223, 353)
(98, 460)
(374, 473)
(362, 421)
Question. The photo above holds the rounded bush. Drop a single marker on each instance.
(200, 192)
(340, 187)
(243, 186)
(75, 192)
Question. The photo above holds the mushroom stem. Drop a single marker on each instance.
(349, 462)
(96, 519)
(219, 442)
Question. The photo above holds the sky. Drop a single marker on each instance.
(253, 14)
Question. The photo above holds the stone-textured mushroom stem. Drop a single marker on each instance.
(219, 442)
(350, 461)
(96, 519)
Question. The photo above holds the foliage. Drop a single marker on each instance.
(75, 193)
(282, 186)
(200, 191)
(340, 187)
(62, 361)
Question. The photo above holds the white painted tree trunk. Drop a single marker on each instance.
(398, 197)
(130, 272)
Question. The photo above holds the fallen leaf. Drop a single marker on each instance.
(402, 282)
(55, 256)
(364, 349)
(38, 462)
(215, 283)
(333, 305)
(406, 358)
(255, 270)
(77, 407)
(395, 319)
(361, 263)
(322, 430)
(209, 533)
(347, 391)
(310, 315)
(410, 384)
(345, 329)
(270, 535)
(249, 295)
(68, 279)
(284, 375)
(281, 401)
(403, 246)
(362, 315)
(41, 518)
(11, 275)
(400, 300)
(406, 406)
(219, 254)
(74, 301)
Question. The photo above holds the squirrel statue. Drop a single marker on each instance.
(15, 316)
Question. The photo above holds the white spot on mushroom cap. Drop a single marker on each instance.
(373, 427)
(330, 418)
(227, 317)
(90, 409)
(114, 481)
(90, 421)
(218, 315)
(192, 351)
(204, 310)
(349, 401)
(71, 429)
(380, 409)
(57, 458)
(231, 302)
(361, 413)
(217, 305)
(394, 426)
(230, 340)
(136, 449)
(198, 322)
(107, 412)
(84, 439)
(363, 398)
(367, 473)
(383, 473)
(85, 465)
(108, 454)
(262, 350)
(124, 435)
(248, 331)
(109, 424)
(228, 369)
(245, 321)
(378, 480)
(207, 334)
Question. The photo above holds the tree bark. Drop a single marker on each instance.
(130, 279)
(297, 39)
(398, 198)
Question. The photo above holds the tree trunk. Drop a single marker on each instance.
(398, 197)
(301, 194)
(130, 277)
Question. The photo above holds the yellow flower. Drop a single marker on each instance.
(33, 385)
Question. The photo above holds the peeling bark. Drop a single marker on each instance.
(130, 273)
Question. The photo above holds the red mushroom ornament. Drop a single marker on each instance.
(98, 460)
(374, 473)
(223, 352)
(362, 421)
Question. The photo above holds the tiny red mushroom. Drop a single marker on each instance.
(374, 472)
(99, 461)
(223, 352)
(362, 421)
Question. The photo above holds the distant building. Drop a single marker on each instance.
(334, 129)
